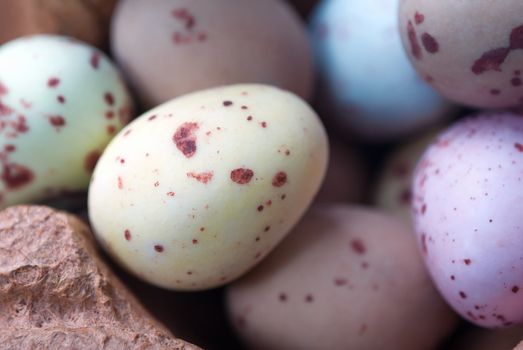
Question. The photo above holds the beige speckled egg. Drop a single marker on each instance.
(471, 51)
(393, 188)
(171, 47)
(197, 191)
(345, 278)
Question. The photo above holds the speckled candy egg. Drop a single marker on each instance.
(171, 47)
(367, 82)
(469, 50)
(345, 278)
(197, 191)
(393, 189)
(61, 101)
(467, 192)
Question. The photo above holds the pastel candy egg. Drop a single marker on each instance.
(470, 51)
(345, 278)
(61, 101)
(366, 80)
(393, 189)
(467, 191)
(168, 48)
(198, 190)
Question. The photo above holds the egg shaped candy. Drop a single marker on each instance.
(198, 190)
(345, 278)
(61, 101)
(467, 191)
(393, 189)
(471, 51)
(172, 47)
(367, 83)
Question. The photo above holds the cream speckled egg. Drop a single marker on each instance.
(198, 190)
(345, 278)
(61, 101)
(470, 51)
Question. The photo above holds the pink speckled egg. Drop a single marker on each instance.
(468, 190)
(346, 278)
(469, 50)
(168, 48)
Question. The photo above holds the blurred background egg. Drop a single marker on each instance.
(86, 20)
(171, 47)
(61, 102)
(469, 50)
(467, 191)
(393, 187)
(345, 278)
(367, 85)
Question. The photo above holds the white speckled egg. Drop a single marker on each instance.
(367, 81)
(393, 189)
(467, 195)
(345, 278)
(469, 50)
(198, 190)
(61, 101)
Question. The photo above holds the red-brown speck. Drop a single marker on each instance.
(156, 184)
(202, 36)
(405, 196)
(339, 282)
(158, 248)
(267, 228)
(429, 43)
(227, 103)
(515, 289)
(122, 161)
(15, 176)
(170, 194)
(467, 261)
(515, 81)
(109, 115)
(364, 265)
(249, 118)
(152, 117)
(189, 273)
(185, 139)
(358, 247)
(463, 295)
(127, 235)
(57, 121)
(244, 107)
(60, 99)
(263, 124)
(260, 208)
(519, 147)
(194, 241)
(415, 48)
(202, 229)
(363, 329)
(282, 297)
(185, 16)
(423, 209)
(109, 98)
(120, 183)
(10, 148)
(3, 89)
(95, 60)
(127, 132)
(242, 176)
(287, 153)
(309, 298)
(283, 196)
(516, 38)
(53, 82)
(279, 179)
(90, 160)
(204, 177)
(418, 18)
(495, 92)
(453, 278)
(490, 60)
(111, 129)
(268, 203)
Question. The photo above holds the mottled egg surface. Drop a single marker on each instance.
(61, 101)
(367, 83)
(172, 47)
(197, 191)
(345, 278)
(467, 192)
(471, 51)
